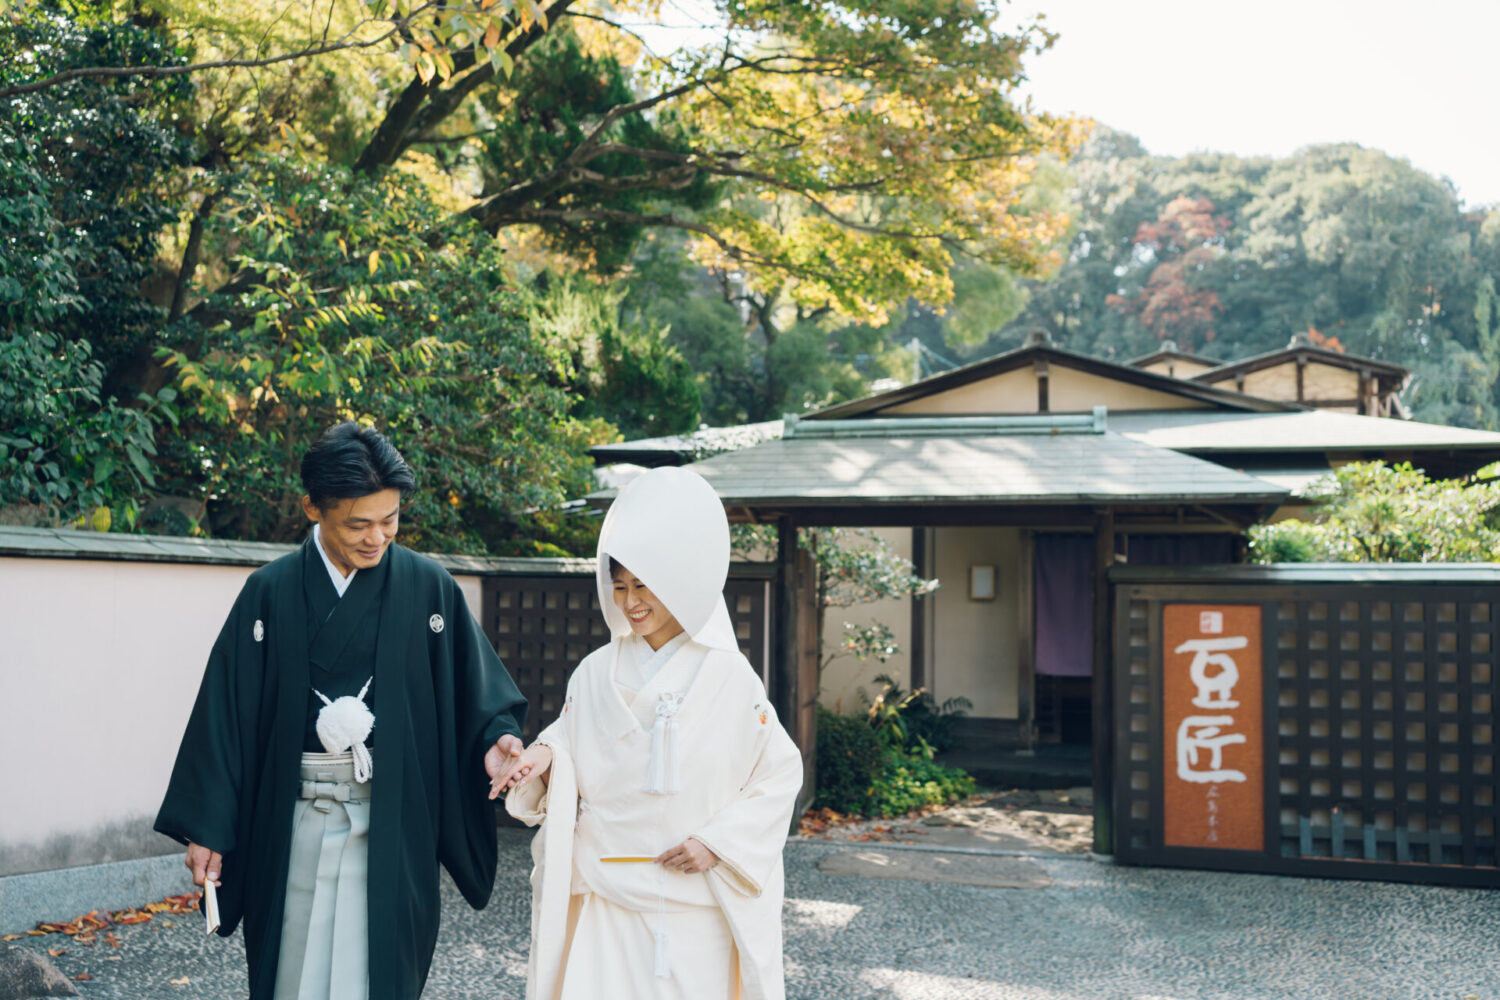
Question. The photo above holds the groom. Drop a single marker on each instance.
(273, 789)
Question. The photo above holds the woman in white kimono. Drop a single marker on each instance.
(666, 787)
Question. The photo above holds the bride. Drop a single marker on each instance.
(665, 788)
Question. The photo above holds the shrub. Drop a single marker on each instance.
(908, 782)
(913, 720)
(849, 758)
(859, 775)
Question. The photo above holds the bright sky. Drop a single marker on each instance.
(1417, 80)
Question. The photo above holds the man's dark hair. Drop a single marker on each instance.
(349, 461)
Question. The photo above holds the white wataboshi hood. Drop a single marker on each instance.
(668, 527)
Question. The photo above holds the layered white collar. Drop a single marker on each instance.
(340, 582)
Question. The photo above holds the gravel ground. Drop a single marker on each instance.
(1013, 820)
(1098, 932)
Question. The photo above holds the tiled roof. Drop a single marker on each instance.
(677, 448)
(1002, 469)
(1312, 430)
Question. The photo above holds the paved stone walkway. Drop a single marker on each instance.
(1082, 930)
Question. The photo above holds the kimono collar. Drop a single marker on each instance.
(340, 582)
(668, 527)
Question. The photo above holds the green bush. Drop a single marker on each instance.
(849, 758)
(856, 774)
(908, 782)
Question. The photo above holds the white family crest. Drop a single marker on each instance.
(435, 623)
(259, 631)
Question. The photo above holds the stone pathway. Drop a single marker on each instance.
(1063, 927)
(1017, 820)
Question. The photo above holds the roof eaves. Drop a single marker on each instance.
(1022, 356)
(1270, 359)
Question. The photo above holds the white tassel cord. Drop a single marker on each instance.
(663, 940)
(344, 724)
(663, 954)
(664, 771)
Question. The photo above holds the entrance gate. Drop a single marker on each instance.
(1351, 735)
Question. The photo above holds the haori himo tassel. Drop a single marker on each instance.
(344, 724)
(663, 957)
(664, 770)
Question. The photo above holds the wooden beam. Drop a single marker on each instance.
(1040, 367)
(998, 515)
(1102, 735)
(794, 673)
(1026, 638)
(921, 559)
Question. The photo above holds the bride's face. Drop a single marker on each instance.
(648, 617)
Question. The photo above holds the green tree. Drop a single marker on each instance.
(354, 316)
(625, 373)
(80, 221)
(1373, 512)
(887, 136)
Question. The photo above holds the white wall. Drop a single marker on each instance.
(845, 676)
(99, 664)
(976, 644)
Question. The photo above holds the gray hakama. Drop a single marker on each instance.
(325, 925)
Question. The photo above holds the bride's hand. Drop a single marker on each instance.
(533, 763)
(690, 857)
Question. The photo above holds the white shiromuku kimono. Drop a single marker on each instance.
(653, 747)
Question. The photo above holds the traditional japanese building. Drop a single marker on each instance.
(1019, 482)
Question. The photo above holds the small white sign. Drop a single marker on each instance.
(1211, 622)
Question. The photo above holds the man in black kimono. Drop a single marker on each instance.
(350, 618)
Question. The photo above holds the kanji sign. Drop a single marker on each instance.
(1213, 791)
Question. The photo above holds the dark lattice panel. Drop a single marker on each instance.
(749, 602)
(1379, 730)
(542, 626)
(1384, 742)
(1136, 763)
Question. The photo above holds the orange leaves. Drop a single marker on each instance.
(83, 929)
(91, 921)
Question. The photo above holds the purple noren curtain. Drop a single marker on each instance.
(1065, 605)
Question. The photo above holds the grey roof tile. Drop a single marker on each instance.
(1314, 430)
(1000, 469)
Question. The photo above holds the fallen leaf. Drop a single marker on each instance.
(180, 982)
(11, 937)
(55, 952)
(83, 977)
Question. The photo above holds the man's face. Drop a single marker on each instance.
(357, 532)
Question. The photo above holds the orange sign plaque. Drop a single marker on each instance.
(1212, 781)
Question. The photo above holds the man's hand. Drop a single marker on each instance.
(531, 764)
(204, 863)
(690, 857)
(501, 759)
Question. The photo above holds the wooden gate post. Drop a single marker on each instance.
(794, 668)
(1103, 714)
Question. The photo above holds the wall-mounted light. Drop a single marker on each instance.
(981, 583)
